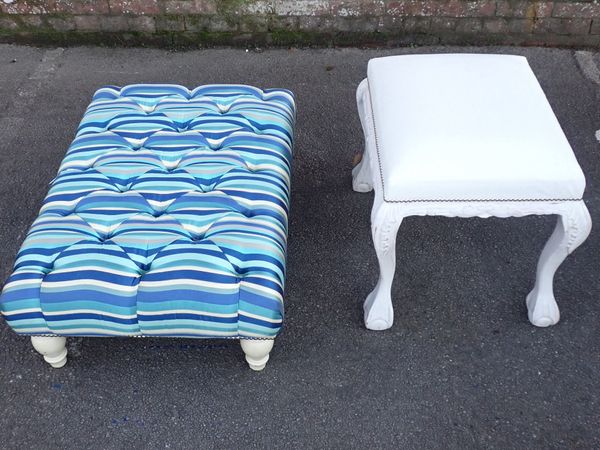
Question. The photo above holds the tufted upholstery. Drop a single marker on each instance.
(168, 217)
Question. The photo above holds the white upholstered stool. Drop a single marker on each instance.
(465, 136)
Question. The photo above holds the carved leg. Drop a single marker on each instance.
(362, 178)
(572, 228)
(53, 348)
(257, 352)
(379, 313)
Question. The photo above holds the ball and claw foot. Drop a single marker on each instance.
(257, 352)
(379, 314)
(542, 312)
(572, 229)
(53, 348)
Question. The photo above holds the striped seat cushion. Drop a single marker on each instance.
(168, 217)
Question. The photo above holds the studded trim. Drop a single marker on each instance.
(147, 336)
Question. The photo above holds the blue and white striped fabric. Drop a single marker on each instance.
(168, 217)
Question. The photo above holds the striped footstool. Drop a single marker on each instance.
(168, 217)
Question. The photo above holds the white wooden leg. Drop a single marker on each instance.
(362, 177)
(53, 348)
(257, 352)
(379, 313)
(572, 228)
(362, 180)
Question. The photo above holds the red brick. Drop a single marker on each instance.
(447, 8)
(302, 7)
(190, 7)
(56, 6)
(357, 8)
(522, 8)
(577, 10)
(562, 26)
(256, 7)
(27, 7)
(482, 8)
(543, 9)
(134, 7)
(78, 6)
(412, 8)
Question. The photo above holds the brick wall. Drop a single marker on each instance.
(301, 22)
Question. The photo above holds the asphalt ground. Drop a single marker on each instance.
(461, 367)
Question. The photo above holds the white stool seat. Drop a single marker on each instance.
(465, 136)
(468, 127)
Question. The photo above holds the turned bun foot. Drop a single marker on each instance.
(257, 352)
(53, 348)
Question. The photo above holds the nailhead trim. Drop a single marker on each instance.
(239, 338)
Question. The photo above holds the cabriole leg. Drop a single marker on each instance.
(257, 352)
(572, 228)
(379, 313)
(362, 178)
(53, 348)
